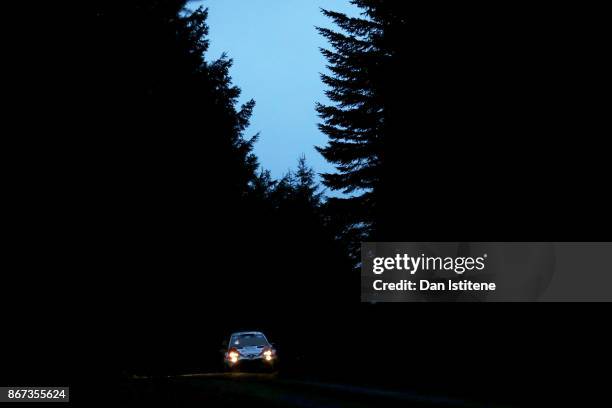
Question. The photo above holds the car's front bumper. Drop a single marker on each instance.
(251, 363)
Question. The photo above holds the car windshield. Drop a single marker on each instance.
(248, 340)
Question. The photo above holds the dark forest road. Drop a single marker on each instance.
(245, 389)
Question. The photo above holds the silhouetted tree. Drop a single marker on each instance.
(178, 183)
(204, 236)
(430, 102)
(307, 190)
(354, 123)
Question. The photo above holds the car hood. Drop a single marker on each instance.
(250, 351)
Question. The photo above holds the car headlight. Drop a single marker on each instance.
(267, 355)
(233, 356)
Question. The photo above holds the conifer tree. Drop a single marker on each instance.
(354, 121)
(417, 91)
(306, 187)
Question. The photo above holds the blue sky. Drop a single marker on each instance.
(277, 62)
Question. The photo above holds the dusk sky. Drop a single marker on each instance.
(275, 48)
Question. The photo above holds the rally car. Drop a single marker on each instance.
(249, 350)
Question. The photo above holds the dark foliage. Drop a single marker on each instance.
(457, 122)
(197, 240)
(143, 189)
(146, 233)
(450, 122)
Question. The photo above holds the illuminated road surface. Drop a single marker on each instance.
(246, 389)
